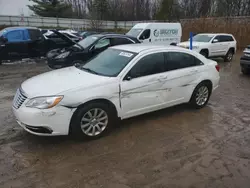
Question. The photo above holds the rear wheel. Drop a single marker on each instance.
(92, 120)
(229, 56)
(201, 95)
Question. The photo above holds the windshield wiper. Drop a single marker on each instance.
(89, 70)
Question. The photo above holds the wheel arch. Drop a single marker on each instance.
(208, 82)
(98, 100)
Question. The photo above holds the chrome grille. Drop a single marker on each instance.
(19, 99)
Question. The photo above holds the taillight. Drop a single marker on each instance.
(217, 68)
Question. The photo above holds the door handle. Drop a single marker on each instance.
(162, 77)
(149, 40)
(193, 71)
(3, 45)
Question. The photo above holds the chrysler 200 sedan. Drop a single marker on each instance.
(121, 82)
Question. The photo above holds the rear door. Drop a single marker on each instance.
(183, 70)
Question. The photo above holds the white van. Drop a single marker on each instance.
(167, 33)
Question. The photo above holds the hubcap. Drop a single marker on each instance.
(94, 122)
(230, 56)
(202, 95)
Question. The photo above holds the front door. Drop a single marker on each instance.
(142, 89)
(16, 47)
(100, 46)
(145, 36)
(219, 47)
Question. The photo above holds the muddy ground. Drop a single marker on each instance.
(174, 148)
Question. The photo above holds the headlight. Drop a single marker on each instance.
(63, 55)
(44, 102)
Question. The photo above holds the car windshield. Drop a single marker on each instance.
(88, 41)
(134, 32)
(202, 38)
(108, 63)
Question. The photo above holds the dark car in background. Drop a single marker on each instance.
(245, 61)
(86, 49)
(87, 33)
(28, 42)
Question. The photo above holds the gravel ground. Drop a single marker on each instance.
(173, 148)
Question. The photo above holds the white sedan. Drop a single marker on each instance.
(121, 82)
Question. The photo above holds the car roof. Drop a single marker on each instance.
(214, 34)
(22, 28)
(138, 48)
(113, 35)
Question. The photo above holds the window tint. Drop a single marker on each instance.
(102, 43)
(227, 38)
(145, 34)
(35, 34)
(120, 41)
(148, 65)
(15, 36)
(179, 60)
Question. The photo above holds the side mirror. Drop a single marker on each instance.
(128, 78)
(215, 40)
(3, 39)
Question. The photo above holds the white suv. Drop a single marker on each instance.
(213, 45)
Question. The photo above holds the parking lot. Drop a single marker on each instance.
(176, 147)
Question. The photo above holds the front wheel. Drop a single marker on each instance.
(92, 120)
(204, 53)
(201, 95)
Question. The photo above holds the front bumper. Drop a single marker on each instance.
(49, 122)
(245, 63)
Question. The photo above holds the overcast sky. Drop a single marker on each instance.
(14, 7)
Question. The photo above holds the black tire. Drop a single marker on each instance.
(245, 71)
(204, 53)
(229, 56)
(193, 101)
(75, 128)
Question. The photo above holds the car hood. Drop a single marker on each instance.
(62, 80)
(187, 44)
(64, 37)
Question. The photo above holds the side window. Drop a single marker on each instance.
(102, 43)
(227, 38)
(35, 34)
(179, 60)
(145, 34)
(15, 36)
(148, 65)
(219, 38)
(120, 41)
